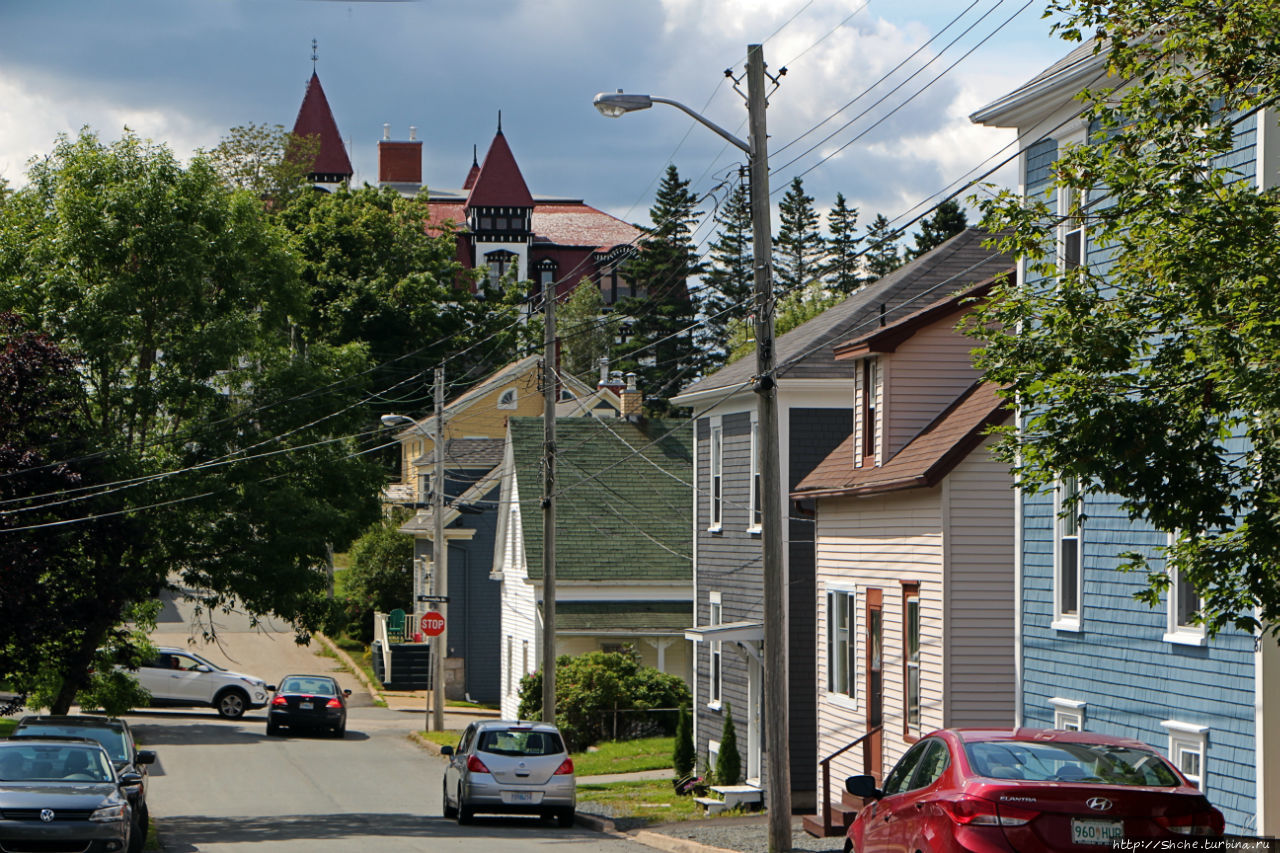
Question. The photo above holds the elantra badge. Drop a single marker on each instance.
(1098, 804)
(46, 815)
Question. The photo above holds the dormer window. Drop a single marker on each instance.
(868, 382)
(500, 263)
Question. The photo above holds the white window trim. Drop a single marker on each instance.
(835, 697)
(752, 525)
(1192, 738)
(1062, 621)
(715, 675)
(1067, 712)
(1183, 635)
(715, 475)
(514, 403)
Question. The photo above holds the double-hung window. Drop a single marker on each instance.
(868, 394)
(1067, 581)
(1188, 743)
(717, 479)
(840, 642)
(717, 675)
(1073, 235)
(911, 659)
(757, 511)
(1184, 603)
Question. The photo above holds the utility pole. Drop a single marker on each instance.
(777, 723)
(549, 386)
(440, 565)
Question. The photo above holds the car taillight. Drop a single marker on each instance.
(279, 700)
(975, 811)
(333, 703)
(565, 767)
(475, 765)
(1205, 822)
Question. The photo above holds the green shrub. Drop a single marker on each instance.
(728, 762)
(683, 755)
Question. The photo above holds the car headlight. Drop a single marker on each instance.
(109, 813)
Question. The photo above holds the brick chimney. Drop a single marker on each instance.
(400, 162)
(632, 400)
(610, 381)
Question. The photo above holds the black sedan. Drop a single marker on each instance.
(62, 794)
(117, 739)
(308, 702)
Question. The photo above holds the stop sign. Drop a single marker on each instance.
(432, 623)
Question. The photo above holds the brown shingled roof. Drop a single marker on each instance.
(316, 119)
(926, 459)
(499, 183)
(575, 224)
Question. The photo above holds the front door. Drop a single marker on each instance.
(874, 644)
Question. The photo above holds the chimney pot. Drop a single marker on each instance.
(413, 133)
(632, 400)
(386, 130)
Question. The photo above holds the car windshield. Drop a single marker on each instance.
(112, 739)
(520, 742)
(53, 763)
(312, 686)
(1041, 761)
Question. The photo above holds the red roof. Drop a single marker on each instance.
(499, 183)
(580, 225)
(316, 119)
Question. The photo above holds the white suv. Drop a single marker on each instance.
(177, 678)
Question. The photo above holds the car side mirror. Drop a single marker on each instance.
(346, 692)
(203, 668)
(130, 779)
(271, 688)
(863, 786)
(446, 750)
(145, 756)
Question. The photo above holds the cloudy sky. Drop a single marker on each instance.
(185, 71)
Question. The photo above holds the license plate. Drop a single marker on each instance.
(1099, 832)
(305, 706)
(522, 797)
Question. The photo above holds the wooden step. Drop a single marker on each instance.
(813, 825)
(842, 814)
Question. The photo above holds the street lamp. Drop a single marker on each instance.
(777, 723)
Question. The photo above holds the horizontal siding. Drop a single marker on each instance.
(923, 376)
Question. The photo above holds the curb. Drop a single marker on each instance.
(428, 745)
(374, 693)
(670, 844)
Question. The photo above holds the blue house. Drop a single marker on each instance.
(1089, 655)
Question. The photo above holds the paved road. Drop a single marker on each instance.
(224, 787)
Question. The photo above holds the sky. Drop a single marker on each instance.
(183, 72)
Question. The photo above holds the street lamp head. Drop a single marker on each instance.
(614, 104)
(396, 420)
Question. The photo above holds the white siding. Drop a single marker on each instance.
(980, 641)
(519, 606)
(879, 543)
(930, 370)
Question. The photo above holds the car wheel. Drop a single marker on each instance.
(273, 729)
(565, 818)
(848, 845)
(449, 811)
(341, 731)
(138, 833)
(465, 812)
(231, 703)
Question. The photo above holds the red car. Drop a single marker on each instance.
(1026, 791)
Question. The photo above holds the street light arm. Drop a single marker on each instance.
(705, 121)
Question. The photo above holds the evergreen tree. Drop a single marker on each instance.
(843, 264)
(947, 221)
(730, 278)
(800, 248)
(728, 761)
(660, 347)
(585, 330)
(882, 255)
(683, 755)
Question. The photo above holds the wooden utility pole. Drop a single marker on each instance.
(549, 386)
(439, 564)
(777, 723)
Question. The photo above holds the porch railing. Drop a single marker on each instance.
(826, 773)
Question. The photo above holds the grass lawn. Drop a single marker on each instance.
(7, 724)
(612, 757)
(653, 801)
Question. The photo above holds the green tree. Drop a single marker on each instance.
(683, 755)
(660, 347)
(948, 220)
(265, 160)
(728, 761)
(882, 254)
(586, 331)
(799, 249)
(381, 573)
(790, 311)
(729, 281)
(843, 271)
(227, 442)
(1153, 380)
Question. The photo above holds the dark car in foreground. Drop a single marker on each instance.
(117, 739)
(62, 794)
(510, 767)
(1028, 791)
(313, 702)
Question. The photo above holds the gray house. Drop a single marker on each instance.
(816, 407)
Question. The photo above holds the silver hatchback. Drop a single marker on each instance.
(510, 767)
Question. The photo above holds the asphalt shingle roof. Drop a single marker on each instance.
(620, 515)
(629, 616)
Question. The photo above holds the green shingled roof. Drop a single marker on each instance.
(624, 498)
(629, 616)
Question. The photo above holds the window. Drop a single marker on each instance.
(511, 674)
(899, 778)
(717, 460)
(1067, 585)
(870, 431)
(911, 659)
(1184, 602)
(1072, 229)
(500, 263)
(717, 673)
(1068, 714)
(757, 510)
(1187, 743)
(524, 657)
(508, 399)
(840, 642)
